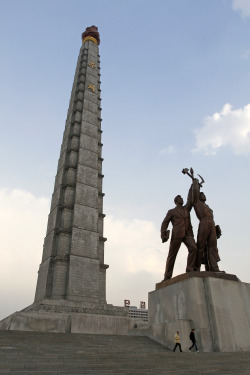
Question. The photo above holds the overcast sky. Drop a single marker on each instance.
(175, 94)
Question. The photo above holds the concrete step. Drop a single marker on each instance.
(29, 353)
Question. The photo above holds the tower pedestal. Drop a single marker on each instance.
(69, 317)
(217, 305)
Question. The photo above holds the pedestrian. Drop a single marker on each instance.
(177, 340)
(192, 338)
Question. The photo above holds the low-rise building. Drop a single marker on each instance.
(136, 313)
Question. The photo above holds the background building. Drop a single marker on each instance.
(136, 313)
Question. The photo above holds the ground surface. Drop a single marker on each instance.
(30, 353)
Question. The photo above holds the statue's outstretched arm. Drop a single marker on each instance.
(195, 189)
(189, 203)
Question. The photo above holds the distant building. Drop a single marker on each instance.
(136, 313)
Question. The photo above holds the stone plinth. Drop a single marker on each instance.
(217, 305)
(70, 317)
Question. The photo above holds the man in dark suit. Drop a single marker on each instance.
(182, 232)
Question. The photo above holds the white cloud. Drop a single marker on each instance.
(137, 259)
(168, 150)
(134, 252)
(23, 220)
(226, 128)
(245, 55)
(138, 242)
(243, 6)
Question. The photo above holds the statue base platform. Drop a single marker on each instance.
(69, 317)
(217, 305)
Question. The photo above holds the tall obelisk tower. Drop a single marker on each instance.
(72, 265)
(71, 286)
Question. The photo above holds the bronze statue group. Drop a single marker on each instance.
(205, 250)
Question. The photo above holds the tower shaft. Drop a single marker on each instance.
(72, 265)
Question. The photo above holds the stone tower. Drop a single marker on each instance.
(71, 286)
(72, 265)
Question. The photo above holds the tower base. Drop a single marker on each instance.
(69, 317)
(217, 305)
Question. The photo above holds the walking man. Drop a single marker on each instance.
(192, 338)
(177, 340)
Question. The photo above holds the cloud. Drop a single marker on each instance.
(23, 220)
(134, 252)
(227, 128)
(137, 259)
(137, 241)
(168, 150)
(243, 6)
(245, 55)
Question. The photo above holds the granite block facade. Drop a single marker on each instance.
(71, 286)
(217, 307)
(73, 256)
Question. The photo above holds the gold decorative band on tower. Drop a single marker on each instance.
(89, 38)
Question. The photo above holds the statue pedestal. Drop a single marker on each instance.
(217, 305)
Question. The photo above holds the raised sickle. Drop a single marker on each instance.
(202, 180)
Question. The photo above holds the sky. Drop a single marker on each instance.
(175, 78)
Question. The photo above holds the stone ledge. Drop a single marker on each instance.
(68, 307)
(201, 275)
(77, 310)
(43, 321)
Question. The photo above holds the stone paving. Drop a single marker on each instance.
(29, 353)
